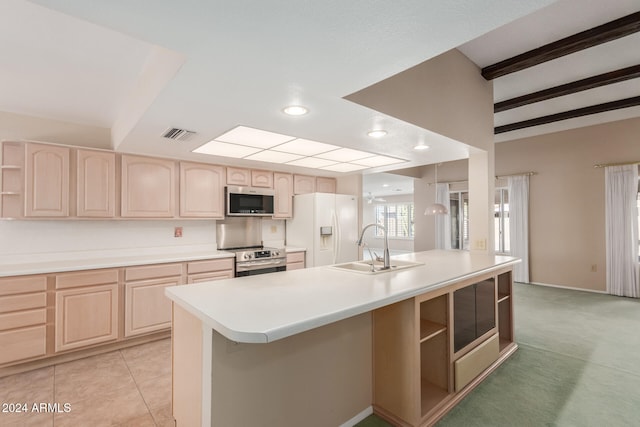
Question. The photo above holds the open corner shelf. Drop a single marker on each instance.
(429, 329)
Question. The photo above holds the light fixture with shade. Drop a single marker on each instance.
(436, 208)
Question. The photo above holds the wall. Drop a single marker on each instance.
(566, 207)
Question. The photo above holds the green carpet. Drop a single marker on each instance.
(578, 364)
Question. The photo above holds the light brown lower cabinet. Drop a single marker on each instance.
(425, 357)
(23, 318)
(295, 260)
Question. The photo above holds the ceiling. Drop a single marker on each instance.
(139, 68)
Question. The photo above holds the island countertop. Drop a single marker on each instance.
(269, 307)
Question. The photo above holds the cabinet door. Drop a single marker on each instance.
(303, 184)
(283, 185)
(262, 179)
(47, 180)
(147, 309)
(237, 176)
(325, 185)
(86, 316)
(148, 187)
(201, 191)
(96, 180)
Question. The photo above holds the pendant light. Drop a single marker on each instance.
(436, 208)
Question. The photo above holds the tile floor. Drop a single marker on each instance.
(128, 387)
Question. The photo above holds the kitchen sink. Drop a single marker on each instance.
(365, 266)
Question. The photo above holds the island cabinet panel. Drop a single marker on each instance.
(46, 180)
(201, 191)
(261, 179)
(86, 309)
(432, 350)
(147, 309)
(23, 318)
(325, 185)
(209, 270)
(96, 184)
(303, 184)
(148, 187)
(238, 176)
(283, 200)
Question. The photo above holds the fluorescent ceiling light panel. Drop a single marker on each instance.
(253, 137)
(273, 157)
(344, 155)
(377, 161)
(305, 147)
(344, 167)
(312, 162)
(223, 149)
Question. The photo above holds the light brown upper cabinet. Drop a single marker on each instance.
(148, 187)
(96, 183)
(46, 180)
(325, 185)
(283, 201)
(303, 184)
(262, 179)
(237, 176)
(201, 191)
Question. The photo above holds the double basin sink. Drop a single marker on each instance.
(364, 267)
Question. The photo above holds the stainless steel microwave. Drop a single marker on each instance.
(249, 201)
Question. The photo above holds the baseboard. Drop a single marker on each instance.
(565, 287)
(361, 416)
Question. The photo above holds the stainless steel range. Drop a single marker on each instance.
(244, 237)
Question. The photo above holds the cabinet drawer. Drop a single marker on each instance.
(20, 285)
(23, 343)
(295, 257)
(477, 360)
(23, 302)
(21, 319)
(152, 271)
(208, 277)
(210, 265)
(295, 266)
(86, 278)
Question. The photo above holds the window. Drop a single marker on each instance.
(459, 212)
(397, 218)
(501, 221)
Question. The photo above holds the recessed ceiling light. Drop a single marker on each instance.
(295, 110)
(421, 146)
(385, 185)
(377, 133)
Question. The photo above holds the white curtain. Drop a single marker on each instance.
(621, 219)
(443, 222)
(519, 225)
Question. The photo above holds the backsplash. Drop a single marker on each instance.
(36, 241)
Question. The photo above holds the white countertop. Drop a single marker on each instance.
(59, 266)
(268, 307)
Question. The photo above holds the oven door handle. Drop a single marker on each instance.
(252, 264)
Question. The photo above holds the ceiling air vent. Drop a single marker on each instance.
(178, 134)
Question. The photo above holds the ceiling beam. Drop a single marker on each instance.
(571, 114)
(601, 34)
(569, 88)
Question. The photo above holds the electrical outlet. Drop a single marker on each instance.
(177, 232)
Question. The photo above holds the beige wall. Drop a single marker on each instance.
(19, 127)
(566, 217)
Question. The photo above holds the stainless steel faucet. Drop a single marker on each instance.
(385, 258)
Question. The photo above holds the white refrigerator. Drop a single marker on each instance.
(326, 225)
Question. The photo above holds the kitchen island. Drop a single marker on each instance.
(324, 346)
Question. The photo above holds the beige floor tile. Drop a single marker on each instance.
(156, 392)
(149, 361)
(113, 407)
(93, 376)
(145, 420)
(28, 387)
(30, 419)
(163, 416)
